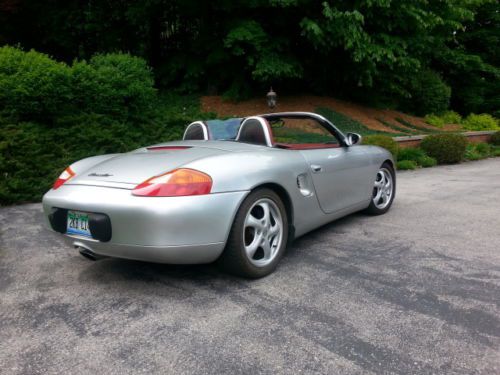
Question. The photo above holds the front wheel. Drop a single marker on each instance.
(384, 190)
(258, 237)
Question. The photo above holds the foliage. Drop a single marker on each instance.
(445, 148)
(33, 154)
(406, 165)
(472, 62)
(405, 53)
(477, 151)
(383, 141)
(115, 84)
(416, 155)
(32, 85)
(429, 93)
(495, 138)
(451, 117)
(447, 117)
(480, 122)
(434, 120)
(35, 87)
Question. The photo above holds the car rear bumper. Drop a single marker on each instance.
(178, 230)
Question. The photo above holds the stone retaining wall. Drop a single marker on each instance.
(414, 140)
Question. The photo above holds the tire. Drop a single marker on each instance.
(380, 207)
(258, 236)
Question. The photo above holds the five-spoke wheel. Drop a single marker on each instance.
(383, 190)
(258, 236)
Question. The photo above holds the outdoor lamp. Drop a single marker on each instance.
(271, 98)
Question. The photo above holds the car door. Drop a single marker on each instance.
(342, 176)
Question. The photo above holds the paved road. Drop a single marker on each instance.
(414, 291)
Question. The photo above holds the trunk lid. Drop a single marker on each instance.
(130, 169)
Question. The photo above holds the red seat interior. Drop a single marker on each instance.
(306, 146)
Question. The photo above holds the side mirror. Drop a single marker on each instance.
(353, 138)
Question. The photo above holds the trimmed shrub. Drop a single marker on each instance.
(32, 85)
(445, 148)
(117, 84)
(383, 141)
(483, 121)
(495, 139)
(33, 155)
(406, 165)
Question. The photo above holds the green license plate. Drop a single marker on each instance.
(78, 223)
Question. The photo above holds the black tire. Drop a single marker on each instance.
(234, 259)
(372, 208)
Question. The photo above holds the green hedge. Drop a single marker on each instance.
(445, 148)
(34, 87)
(33, 155)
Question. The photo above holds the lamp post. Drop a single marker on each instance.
(271, 98)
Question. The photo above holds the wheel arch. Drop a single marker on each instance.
(287, 201)
(390, 162)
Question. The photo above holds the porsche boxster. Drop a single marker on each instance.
(235, 191)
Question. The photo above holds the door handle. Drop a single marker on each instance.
(316, 168)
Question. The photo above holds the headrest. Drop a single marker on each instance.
(196, 131)
(255, 130)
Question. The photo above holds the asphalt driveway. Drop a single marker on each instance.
(414, 291)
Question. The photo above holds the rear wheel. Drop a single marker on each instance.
(384, 190)
(258, 236)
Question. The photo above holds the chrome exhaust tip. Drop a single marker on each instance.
(87, 253)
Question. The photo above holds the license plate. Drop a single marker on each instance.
(78, 223)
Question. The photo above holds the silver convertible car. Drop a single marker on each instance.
(234, 191)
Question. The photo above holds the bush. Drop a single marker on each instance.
(383, 141)
(445, 148)
(416, 155)
(32, 85)
(427, 162)
(33, 155)
(406, 165)
(434, 120)
(448, 117)
(483, 121)
(116, 84)
(451, 117)
(495, 139)
(429, 93)
(478, 151)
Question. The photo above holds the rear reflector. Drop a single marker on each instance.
(179, 182)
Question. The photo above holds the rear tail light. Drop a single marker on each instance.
(65, 176)
(179, 182)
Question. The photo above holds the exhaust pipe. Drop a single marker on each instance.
(87, 253)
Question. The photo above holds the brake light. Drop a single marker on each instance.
(179, 182)
(63, 177)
